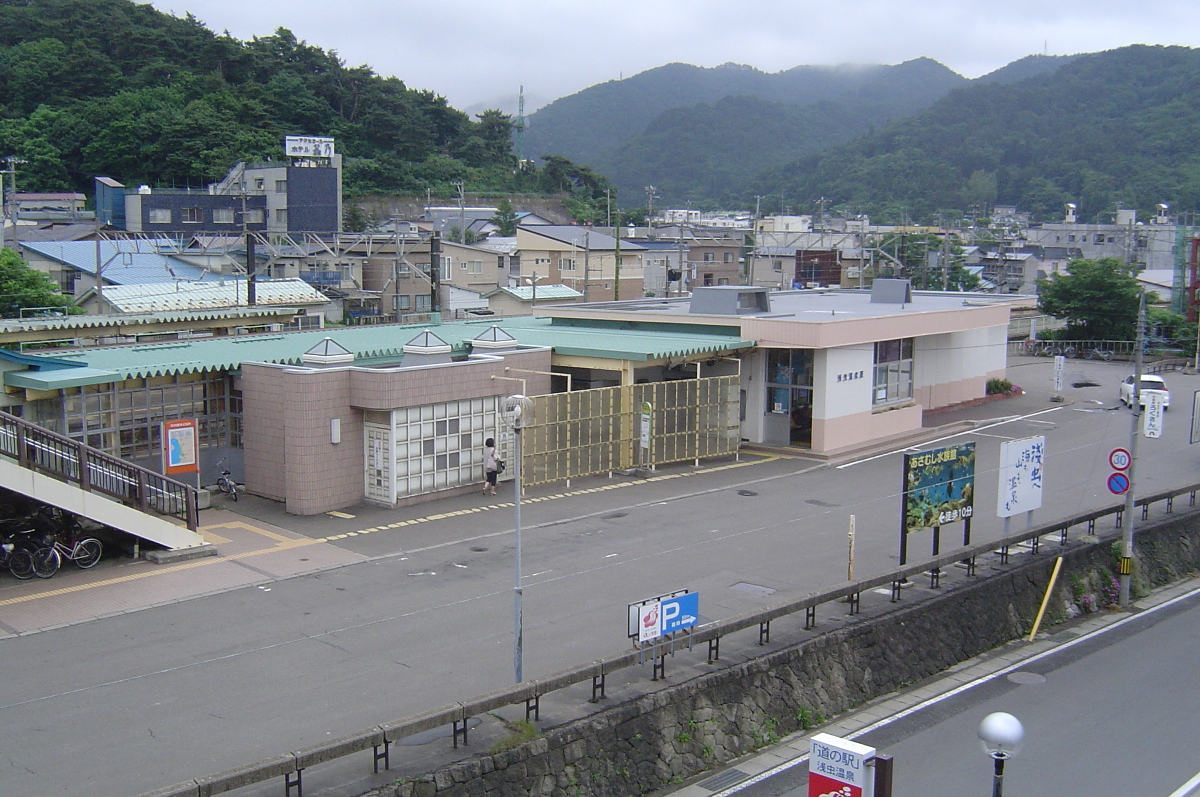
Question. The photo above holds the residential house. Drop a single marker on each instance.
(583, 259)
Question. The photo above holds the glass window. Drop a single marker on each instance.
(281, 186)
(160, 216)
(222, 215)
(192, 215)
(281, 215)
(892, 381)
(566, 264)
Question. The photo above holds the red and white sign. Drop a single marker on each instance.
(649, 621)
(838, 768)
(1119, 459)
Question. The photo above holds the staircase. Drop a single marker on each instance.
(57, 470)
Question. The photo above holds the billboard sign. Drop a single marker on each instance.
(307, 147)
(180, 447)
(838, 767)
(647, 424)
(939, 487)
(1021, 471)
(664, 614)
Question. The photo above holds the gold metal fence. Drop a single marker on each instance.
(587, 432)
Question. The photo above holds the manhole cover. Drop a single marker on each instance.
(478, 549)
(614, 515)
(747, 492)
(817, 502)
(753, 589)
(1026, 678)
(1085, 383)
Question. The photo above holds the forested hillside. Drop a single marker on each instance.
(599, 119)
(1106, 128)
(705, 154)
(112, 87)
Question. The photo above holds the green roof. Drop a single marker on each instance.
(371, 345)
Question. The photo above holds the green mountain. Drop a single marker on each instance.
(586, 125)
(113, 87)
(1105, 128)
(705, 154)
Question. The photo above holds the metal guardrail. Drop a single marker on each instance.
(93, 470)
(379, 739)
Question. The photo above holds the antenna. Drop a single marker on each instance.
(520, 125)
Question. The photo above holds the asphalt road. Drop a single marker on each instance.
(134, 702)
(1111, 715)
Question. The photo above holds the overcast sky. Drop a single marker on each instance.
(481, 51)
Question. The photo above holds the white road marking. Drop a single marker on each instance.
(976, 430)
(1187, 788)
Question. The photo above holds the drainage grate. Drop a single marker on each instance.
(1085, 383)
(747, 492)
(723, 781)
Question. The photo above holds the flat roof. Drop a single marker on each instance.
(809, 306)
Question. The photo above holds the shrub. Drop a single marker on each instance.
(997, 387)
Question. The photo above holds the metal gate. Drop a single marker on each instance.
(597, 431)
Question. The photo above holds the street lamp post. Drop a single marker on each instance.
(1001, 736)
(516, 412)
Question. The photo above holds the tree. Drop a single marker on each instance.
(1097, 298)
(505, 218)
(22, 287)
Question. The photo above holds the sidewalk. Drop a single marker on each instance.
(258, 542)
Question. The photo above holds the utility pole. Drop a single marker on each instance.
(617, 265)
(11, 204)
(435, 271)
(651, 193)
(587, 252)
(1126, 564)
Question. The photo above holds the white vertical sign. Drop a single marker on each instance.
(1152, 418)
(1021, 474)
(1060, 362)
(649, 621)
(1195, 435)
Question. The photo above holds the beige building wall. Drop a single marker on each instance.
(287, 411)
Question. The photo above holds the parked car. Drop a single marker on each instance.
(1150, 384)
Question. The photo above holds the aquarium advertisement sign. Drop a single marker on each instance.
(939, 486)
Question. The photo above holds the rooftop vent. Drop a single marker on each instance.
(327, 352)
(891, 292)
(729, 300)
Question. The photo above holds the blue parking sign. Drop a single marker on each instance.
(682, 611)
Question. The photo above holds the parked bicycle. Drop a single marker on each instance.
(1099, 354)
(226, 484)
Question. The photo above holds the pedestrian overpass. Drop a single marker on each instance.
(65, 473)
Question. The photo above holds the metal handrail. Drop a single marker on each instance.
(91, 469)
(381, 736)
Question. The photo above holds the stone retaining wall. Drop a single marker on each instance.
(705, 723)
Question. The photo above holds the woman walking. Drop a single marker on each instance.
(489, 466)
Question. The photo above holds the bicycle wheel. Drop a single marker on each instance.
(46, 562)
(87, 553)
(20, 564)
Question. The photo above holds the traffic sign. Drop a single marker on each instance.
(680, 612)
(1152, 418)
(838, 767)
(1118, 483)
(1119, 459)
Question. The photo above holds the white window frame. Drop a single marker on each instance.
(566, 263)
(223, 216)
(159, 216)
(892, 380)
